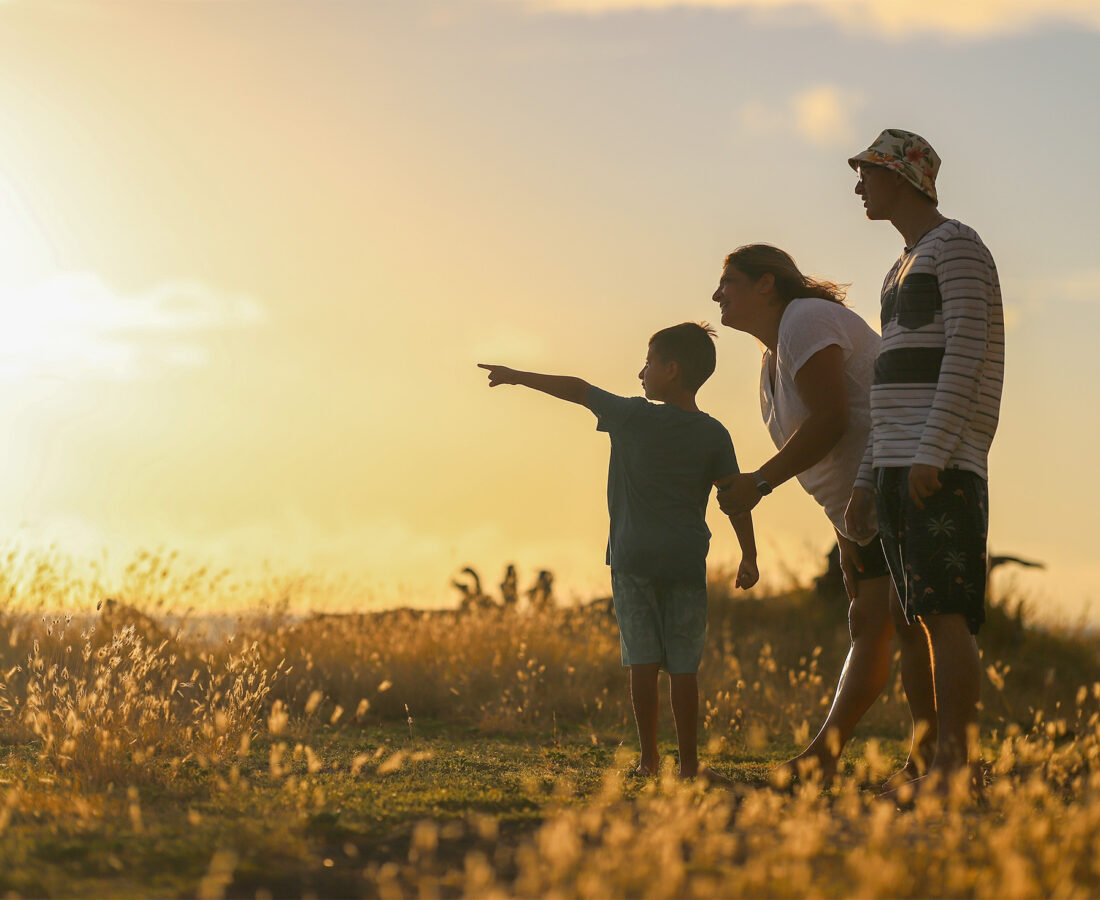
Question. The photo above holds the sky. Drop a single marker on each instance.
(251, 250)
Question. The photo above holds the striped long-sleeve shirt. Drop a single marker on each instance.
(936, 394)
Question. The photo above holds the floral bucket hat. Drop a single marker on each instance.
(908, 154)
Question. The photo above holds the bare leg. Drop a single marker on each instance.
(862, 679)
(643, 697)
(957, 670)
(916, 678)
(684, 692)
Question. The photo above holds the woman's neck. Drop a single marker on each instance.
(767, 329)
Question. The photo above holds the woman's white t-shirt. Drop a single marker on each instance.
(808, 325)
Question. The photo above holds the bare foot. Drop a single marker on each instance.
(641, 771)
(710, 778)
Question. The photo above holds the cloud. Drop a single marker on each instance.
(74, 324)
(821, 114)
(895, 18)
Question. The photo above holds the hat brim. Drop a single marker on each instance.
(870, 157)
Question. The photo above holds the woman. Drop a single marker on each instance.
(815, 383)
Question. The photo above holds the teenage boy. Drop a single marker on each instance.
(935, 402)
(665, 457)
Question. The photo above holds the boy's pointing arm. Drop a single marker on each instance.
(564, 387)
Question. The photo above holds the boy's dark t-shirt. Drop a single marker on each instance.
(664, 462)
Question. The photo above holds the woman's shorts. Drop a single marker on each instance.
(660, 621)
(873, 560)
(937, 555)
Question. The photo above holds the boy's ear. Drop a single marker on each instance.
(766, 282)
(673, 369)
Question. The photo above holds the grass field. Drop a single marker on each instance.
(488, 752)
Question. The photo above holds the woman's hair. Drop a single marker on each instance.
(757, 260)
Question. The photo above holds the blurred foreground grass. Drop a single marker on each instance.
(145, 752)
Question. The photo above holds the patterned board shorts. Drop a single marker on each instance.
(937, 555)
(660, 621)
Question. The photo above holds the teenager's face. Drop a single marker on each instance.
(879, 188)
(656, 375)
(737, 297)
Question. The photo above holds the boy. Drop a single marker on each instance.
(665, 457)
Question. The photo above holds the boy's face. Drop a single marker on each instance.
(657, 376)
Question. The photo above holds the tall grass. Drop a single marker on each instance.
(131, 691)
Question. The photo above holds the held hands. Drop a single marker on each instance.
(859, 517)
(737, 494)
(500, 374)
(747, 573)
(924, 481)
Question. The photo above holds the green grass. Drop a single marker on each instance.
(319, 831)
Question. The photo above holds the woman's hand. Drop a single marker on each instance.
(747, 573)
(737, 494)
(859, 517)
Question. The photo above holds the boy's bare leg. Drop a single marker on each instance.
(920, 693)
(684, 692)
(862, 679)
(643, 697)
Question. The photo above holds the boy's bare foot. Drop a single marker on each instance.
(640, 771)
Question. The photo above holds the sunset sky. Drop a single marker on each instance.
(250, 253)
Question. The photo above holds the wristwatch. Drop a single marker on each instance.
(761, 484)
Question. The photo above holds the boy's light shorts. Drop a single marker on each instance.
(660, 621)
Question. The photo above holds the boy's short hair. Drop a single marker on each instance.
(691, 345)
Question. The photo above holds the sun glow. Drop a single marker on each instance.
(24, 250)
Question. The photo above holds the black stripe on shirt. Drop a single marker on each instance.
(909, 365)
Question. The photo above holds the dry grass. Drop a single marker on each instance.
(281, 722)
